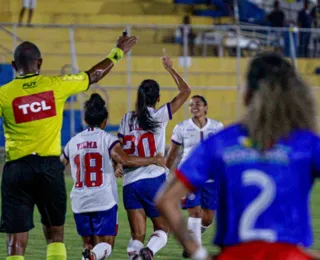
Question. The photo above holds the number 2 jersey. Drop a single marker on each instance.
(262, 196)
(143, 143)
(95, 186)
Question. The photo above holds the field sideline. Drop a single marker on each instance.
(37, 249)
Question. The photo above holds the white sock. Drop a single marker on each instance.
(194, 226)
(157, 241)
(102, 251)
(134, 248)
(204, 228)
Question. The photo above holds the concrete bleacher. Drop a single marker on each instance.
(92, 45)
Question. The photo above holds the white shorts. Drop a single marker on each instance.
(29, 4)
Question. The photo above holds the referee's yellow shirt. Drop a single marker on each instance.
(32, 109)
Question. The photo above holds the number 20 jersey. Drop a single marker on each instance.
(95, 187)
(144, 144)
(262, 196)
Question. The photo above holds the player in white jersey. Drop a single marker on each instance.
(188, 134)
(143, 133)
(94, 196)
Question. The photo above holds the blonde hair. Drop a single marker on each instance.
(281, 101)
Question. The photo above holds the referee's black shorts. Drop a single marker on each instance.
(29, 181)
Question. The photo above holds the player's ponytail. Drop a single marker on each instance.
(278, 101)
(147, 96)
(95, 111)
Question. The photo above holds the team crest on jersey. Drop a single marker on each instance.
(191, 196)
(245, 141)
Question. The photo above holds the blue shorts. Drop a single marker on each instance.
(206, 198)
(141, 195)
(100, 223)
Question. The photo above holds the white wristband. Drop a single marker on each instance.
(200, 254)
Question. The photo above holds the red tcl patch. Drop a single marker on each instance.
(34, 107)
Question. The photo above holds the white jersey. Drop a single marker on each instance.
(188, 134)
(95, 187)
(144, 144)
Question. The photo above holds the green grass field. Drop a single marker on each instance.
(36, 249)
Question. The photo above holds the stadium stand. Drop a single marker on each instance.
(217, 77)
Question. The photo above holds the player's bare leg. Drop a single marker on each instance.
(55, 237)
(54, 234)
(158, 239)
(137, 220)
(207, 218)
(88, 242)
(17, 243)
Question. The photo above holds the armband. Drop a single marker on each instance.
(115, 55)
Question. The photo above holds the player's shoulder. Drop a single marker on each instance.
(215, 122)
(78, 136)
(183, 124)
(126, 117)
(305, 136)
(108, 135)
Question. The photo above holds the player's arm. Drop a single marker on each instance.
(168, 203)
(98, 71)
(184, 90)
(172, 154)
(118, 155)
(64, 160)
(118, 170)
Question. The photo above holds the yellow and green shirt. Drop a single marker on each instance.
(32, 109)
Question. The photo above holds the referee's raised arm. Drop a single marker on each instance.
(124, 45)
(32, 107)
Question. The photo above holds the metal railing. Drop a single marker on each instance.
(74, 47)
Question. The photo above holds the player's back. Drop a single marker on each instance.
(139, 142)
(95, 187)
(267, 193)
(32, 107)
(262, 195)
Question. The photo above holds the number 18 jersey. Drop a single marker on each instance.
(262, 196)
(95, 187)
(143, 143)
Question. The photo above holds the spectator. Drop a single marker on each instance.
(304, 22)
(190, 35)
(315, 14)
(277, 17)
(30, 5)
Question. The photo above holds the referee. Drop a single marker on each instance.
(32, 108)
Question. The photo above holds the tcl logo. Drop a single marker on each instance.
(34, 107)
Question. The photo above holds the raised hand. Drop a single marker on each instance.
(126, 43)
(166, 60)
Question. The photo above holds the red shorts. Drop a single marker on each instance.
(260, 250)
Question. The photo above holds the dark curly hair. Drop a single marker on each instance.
(95, 110)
